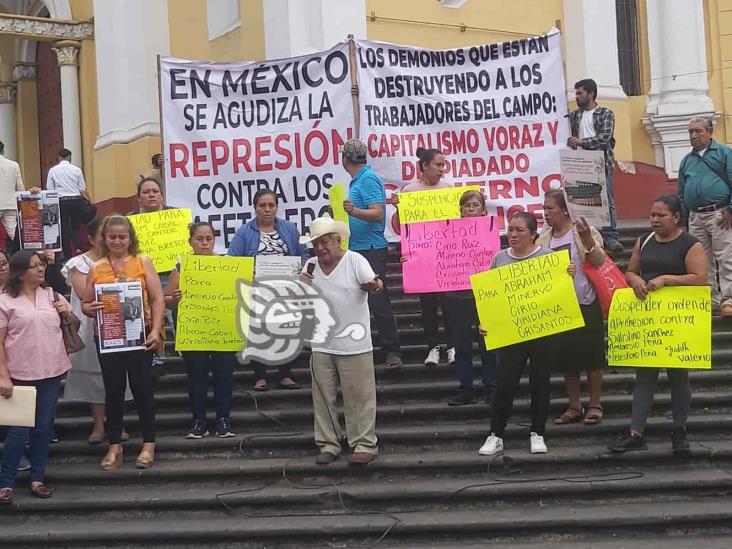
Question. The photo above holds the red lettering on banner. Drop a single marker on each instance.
(523, 188)
(499, 188)
(546, 183)
(515, 137)
(553, 127)
(313, 135)
(219, 159)
(260, 154)
(287, 162)
(199, 159)
(241, 159)
(177, 163)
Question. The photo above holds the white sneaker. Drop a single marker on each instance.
(537, 444)
(451, 355)
(492, 445)
(433, 357)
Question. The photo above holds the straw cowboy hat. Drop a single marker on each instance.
(323, 226)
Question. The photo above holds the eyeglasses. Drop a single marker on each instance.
(4, 264)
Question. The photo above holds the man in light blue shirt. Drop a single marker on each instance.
(366, 208)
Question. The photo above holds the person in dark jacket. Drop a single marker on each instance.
(267, 234)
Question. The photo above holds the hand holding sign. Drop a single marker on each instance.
(670, 328)
(440, 256)
(437, 205)
(526, 300)
(163, 236)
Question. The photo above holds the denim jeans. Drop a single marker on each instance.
(37, 437)
(464, 321)
(221, 366)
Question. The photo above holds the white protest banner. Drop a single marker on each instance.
(584, 184)
(230, 129)
(497, 112)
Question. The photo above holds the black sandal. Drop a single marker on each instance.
(43, 491)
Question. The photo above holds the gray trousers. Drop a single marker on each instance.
(355, 373)
(645, 382)
(717, 244)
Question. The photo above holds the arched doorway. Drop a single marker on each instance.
(50, 122)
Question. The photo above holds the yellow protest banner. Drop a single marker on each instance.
(670, 328)
(437, 205)
(526, 300)
(163, 236)
(337, 195)
(207, 319)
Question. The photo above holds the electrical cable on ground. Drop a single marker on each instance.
(616, 476)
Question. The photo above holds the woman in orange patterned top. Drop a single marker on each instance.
(121, 262)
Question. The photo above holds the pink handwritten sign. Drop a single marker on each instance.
(442, 255)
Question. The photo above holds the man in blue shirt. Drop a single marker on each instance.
(366, 208)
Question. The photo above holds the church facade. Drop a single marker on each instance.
(83, 74)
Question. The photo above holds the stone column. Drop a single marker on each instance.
(26, 105)
(67, 52)
(677, 52)
(7, 119)
(591, 46)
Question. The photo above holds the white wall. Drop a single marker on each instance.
(129, 35)
(222, 16)
(298, 27)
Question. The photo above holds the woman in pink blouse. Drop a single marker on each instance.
(31, 353)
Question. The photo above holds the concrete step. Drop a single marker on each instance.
(532, 519)
(400, 412)
(391, 465)
(172, 389)
(464, 434)
(490, 490)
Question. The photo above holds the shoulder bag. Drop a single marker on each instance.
(70, 331)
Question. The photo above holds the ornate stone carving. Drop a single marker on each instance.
(24, 71)
(7, 92)
(42, 28)
(67, 52)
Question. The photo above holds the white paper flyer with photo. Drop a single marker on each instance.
(584, 184)
(39, 220)
(271, 266)
(121, 322)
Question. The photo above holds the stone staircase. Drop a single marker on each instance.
(429, 487)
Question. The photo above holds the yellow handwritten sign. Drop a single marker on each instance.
(207, 311)
(337, 194)
(436, 205)
(526, 300)
(670, 328)
(163, 236)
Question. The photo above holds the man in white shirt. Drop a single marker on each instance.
(344, 278)
(10, 183)
(68, 180)
(593, 128)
